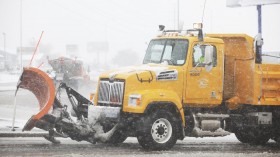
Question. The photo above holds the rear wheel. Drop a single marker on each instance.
(159, 132)
(242, 136)
(276, 139)
(256, 136)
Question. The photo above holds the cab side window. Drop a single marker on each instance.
(198, 56)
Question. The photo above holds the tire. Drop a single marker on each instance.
(259, 137)
(159, 131)
(242, 137)
(276, 139)
(255, 136)
(118, 137)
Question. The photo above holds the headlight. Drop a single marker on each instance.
(134, 100)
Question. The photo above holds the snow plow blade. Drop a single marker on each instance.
(42, 86)
(54, 117)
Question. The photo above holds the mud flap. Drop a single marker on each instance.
(42, 86)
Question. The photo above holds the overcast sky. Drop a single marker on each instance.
(125, 24)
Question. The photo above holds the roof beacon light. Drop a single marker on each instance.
(161, 27)
(197, 25)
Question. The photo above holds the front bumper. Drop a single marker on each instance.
(103, 114)
(110, 116)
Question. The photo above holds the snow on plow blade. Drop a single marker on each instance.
(42, 86)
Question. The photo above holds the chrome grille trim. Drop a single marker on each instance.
(110, 93)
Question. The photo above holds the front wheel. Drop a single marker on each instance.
(118, 137)
(159, 131)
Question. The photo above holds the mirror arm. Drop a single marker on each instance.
(200, 35)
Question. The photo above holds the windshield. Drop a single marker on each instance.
(171, 51)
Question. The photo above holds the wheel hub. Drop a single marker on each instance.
(161, 130)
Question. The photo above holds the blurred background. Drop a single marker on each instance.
(113, 33)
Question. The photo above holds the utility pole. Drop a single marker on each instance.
(5, 53)
(21, 66)
(260, 39)
(178, 3)
(174, 17)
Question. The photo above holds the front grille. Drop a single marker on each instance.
(110, 93)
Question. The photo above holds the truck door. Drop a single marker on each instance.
(204, 81)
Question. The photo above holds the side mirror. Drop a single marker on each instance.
(209, 50)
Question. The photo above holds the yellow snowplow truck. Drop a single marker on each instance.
(188, 85)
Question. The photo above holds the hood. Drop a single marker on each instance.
(144, 73)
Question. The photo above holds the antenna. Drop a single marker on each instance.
(36, 48)
(178, 3)
(203, 12)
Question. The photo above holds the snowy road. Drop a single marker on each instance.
(191, 147)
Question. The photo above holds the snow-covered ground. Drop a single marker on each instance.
(7, 77)
(8, 81)
(190, 147)
(23, 113)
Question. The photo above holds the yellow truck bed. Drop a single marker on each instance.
(246, 82)
(267, 84)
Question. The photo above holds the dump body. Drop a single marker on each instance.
(246, 82)
(267, 85)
